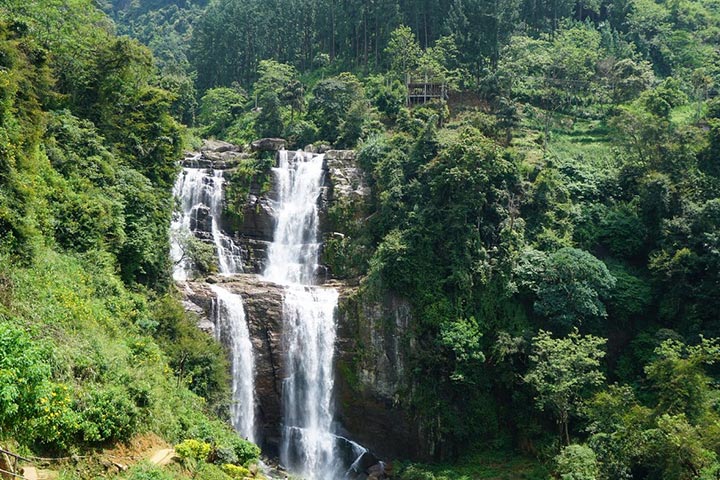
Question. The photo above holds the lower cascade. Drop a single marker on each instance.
(231, 328)
(308, 445)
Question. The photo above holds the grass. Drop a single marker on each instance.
(687, 114)
(586, 141)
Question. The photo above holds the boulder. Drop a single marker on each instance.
(218, 146)
(268, 144)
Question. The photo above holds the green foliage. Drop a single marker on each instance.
(201, 255)
(24, 371)
(679, 380)
(569, 285)
(330, 104)
(145, 471)
(403, 51)
(196, 360)
(577, 462)
(564, 371)
(193, 450)
(107, 414)
(219, 108)
(269, 122)
(235, 471)
(462, 337)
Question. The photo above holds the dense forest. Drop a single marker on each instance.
(554, 222)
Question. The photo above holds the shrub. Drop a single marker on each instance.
(108, 414)
(192, 449)
(577, 462)
(23, 371)
(235, 471)
(144, 471)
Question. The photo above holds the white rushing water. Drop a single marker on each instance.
(308, 446)
(293, 254)
(200, 190)
(232, 330)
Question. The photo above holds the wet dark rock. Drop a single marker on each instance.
(254, 254)
(263, 303)
(202, 220)
(370, 374)
(258, 222)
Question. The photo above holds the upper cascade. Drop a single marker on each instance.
(200, 194)
(293, 254)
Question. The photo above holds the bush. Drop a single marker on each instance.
(144, 471)
(235, 471)
(108, 414)
(577, 462)
(245, 451)
(23, 372)
(414, 473)
(192, 449)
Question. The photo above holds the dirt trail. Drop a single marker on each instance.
(163, 457)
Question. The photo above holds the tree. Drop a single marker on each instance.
(273, 77)
(331, 102)
(572, 288)
(403, 51)
(269, 121)
(679, 380)
(219, 108)
(564, 372)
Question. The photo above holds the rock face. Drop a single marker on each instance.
(343, 177)
(370, 374)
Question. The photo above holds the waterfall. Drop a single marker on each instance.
(293, 255)
(200, 194)
(232, 330)
(308, 444)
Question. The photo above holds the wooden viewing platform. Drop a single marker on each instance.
(423, 90)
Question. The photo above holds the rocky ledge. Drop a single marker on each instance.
(217, 155)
